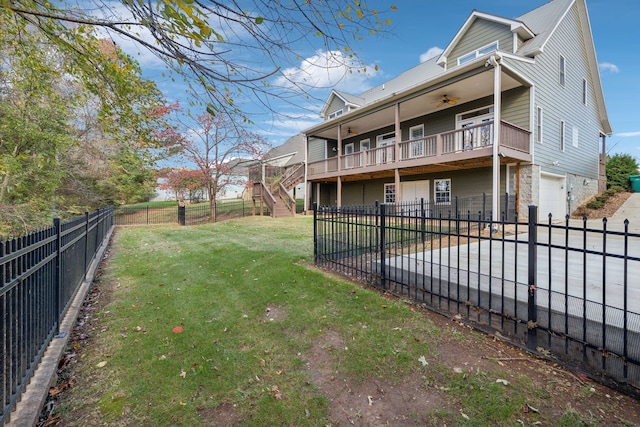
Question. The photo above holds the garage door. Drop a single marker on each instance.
(553, 198)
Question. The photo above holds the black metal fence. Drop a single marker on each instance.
(564, 290)
(40, 274)
(183, 215)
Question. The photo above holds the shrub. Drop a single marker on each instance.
(595, 204)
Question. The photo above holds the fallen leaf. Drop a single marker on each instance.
(177, 329)
(135, 305)
(101, 364)
(422, 360)
(500, 380)
(183, 374)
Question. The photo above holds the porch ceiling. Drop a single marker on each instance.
(475, 87)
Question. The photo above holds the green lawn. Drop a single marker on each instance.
(224, 320)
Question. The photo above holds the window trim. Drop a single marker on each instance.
(539, 125)
(562, 71)
(392, 191)
(368, 144)
(563, 129)
(436, 192)
(384, 137)
(336, 113)
(484, 50)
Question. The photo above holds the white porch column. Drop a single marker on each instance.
(497, 97)
(397, 153)
(339, 201)
(339, 146)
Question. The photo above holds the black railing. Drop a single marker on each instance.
(40, 274)
(183, 215)
(560, 289)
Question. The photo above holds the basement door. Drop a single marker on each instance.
(413, 191)
(553, 198)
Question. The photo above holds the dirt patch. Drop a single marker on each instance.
(610, 207)
(375, 402)
(275, 314)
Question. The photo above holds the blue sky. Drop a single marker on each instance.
(420, 26)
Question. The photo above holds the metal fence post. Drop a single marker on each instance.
(58, 272)
(531, 282)
(383, 263)
(86, 242)
(315, 232)
(182, 214)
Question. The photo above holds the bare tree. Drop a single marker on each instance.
(218, 149)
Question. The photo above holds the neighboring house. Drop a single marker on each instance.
(279, 177)
(511, 106)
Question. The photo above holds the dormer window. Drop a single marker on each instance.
(492, 47)
(335, 114)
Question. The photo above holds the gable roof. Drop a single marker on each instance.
(516, 26)
(293, 147)
(535, 27)
(544, 20)
(348, 99)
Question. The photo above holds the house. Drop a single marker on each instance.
(278, 179)
(510, 106)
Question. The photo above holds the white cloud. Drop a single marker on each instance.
(328, 69)
(434, 51)
(628, 134)
(607, 66)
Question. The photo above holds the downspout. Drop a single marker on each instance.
(397, 153)
(497, 85)
(307, 193)
(339, 184)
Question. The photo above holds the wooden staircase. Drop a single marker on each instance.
(276, 195)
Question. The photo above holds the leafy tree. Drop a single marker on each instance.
(619, 167)
(218, 47)
(188, 184)
(217, 148)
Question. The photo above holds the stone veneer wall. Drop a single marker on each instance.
(582, 188)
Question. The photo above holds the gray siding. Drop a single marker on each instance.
(335, 105)
(565, 102)
(471, 182)
(316, 149)
(516, 104)
(481, 33)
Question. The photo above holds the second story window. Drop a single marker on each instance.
(563, 70)
(539, 126)
(492, 47)
(335, 114)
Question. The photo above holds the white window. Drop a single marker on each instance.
(348, 155)
(416, 136)
(389, 193)
(442, 190)
(335, 114)
(365, 144)
(539, 126)
(477, 134)
(584, 91)
(562, 135)
(385, 155)
(574, 137)
(386, 139)
(563, 70)
(491, 47)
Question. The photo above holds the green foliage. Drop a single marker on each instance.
(619, 168)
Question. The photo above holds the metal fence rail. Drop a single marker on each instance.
(39, 276)
(561, 289)
(183, 215)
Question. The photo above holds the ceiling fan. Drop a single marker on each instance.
(352, 131)
(448, 100)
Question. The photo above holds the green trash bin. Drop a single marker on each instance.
(635, 183)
